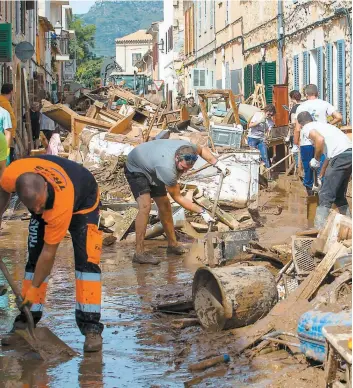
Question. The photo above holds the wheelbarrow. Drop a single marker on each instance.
(41, 340)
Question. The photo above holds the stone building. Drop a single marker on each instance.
(237, 43)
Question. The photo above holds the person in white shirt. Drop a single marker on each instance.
(259, 128)
(331, 141)
(319, 110)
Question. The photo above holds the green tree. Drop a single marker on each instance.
(80, 47)
(88, 72)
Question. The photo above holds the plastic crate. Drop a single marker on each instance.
(226, 135)
(303, 260)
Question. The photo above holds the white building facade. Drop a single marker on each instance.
(131, 48)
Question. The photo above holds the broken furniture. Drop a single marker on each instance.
(258, 98)
(338, 352)
(229, 97)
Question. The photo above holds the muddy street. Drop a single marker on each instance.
(140, 348)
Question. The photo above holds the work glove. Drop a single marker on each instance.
(239, 127)
(314, 164)
(207, 217)
(30, 296)
(295, 149)
(317, 188)
(221, 167)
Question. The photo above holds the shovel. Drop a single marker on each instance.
(208, 238)
(311, 203)
(40, 339)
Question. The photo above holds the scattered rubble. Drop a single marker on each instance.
(311, 272)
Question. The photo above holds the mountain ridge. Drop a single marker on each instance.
(114, 19)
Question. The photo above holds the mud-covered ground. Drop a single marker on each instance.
(140, 348)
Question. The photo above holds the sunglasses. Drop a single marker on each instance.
(189, 158)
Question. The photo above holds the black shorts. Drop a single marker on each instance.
(139, 185)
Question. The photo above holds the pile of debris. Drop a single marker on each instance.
(117, 120)
(295, 297)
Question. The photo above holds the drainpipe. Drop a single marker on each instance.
(30, 35)
(280, 33)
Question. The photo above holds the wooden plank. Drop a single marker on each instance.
(146, 134)
(80, 122)
(288, 311)
(313, 281)
(122, 125)
(61, 114)
(184, 114)
(206, 119)
(92, 111)
(30, 144)
(234, 107)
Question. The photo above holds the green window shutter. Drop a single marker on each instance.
(341, 78)
(329, 72)
(269, 76)
(257, 73)
(320, 71)
(5, 42)
(248, 83)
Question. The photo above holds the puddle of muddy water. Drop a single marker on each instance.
(139, 347)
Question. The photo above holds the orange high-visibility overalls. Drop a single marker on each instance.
(72, 205)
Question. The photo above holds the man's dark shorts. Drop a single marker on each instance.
(139, 185)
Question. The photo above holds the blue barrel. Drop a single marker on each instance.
(312, 341)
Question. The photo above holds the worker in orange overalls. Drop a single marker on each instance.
(61, 195)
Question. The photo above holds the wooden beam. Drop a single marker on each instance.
(30, 144)
(146, 134)
(122, 125)
(204, 113)
(80, 122)
(234, 107)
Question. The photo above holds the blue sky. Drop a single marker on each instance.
(81, 6)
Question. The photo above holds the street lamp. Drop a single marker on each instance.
(58, 28)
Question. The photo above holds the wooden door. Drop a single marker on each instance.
(280, 97)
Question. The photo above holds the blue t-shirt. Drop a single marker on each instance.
(5, 120)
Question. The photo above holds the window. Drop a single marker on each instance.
(341, 79)
(199, 78)
(296, 72)
(205, 16)
(200, 18)
(170, 38)
(17, 16)
(227, 11)
(135, 58)
(227, 76)
(23, 16)
(320, 71)
(306, 68)
(212, 5)
(329, 73)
